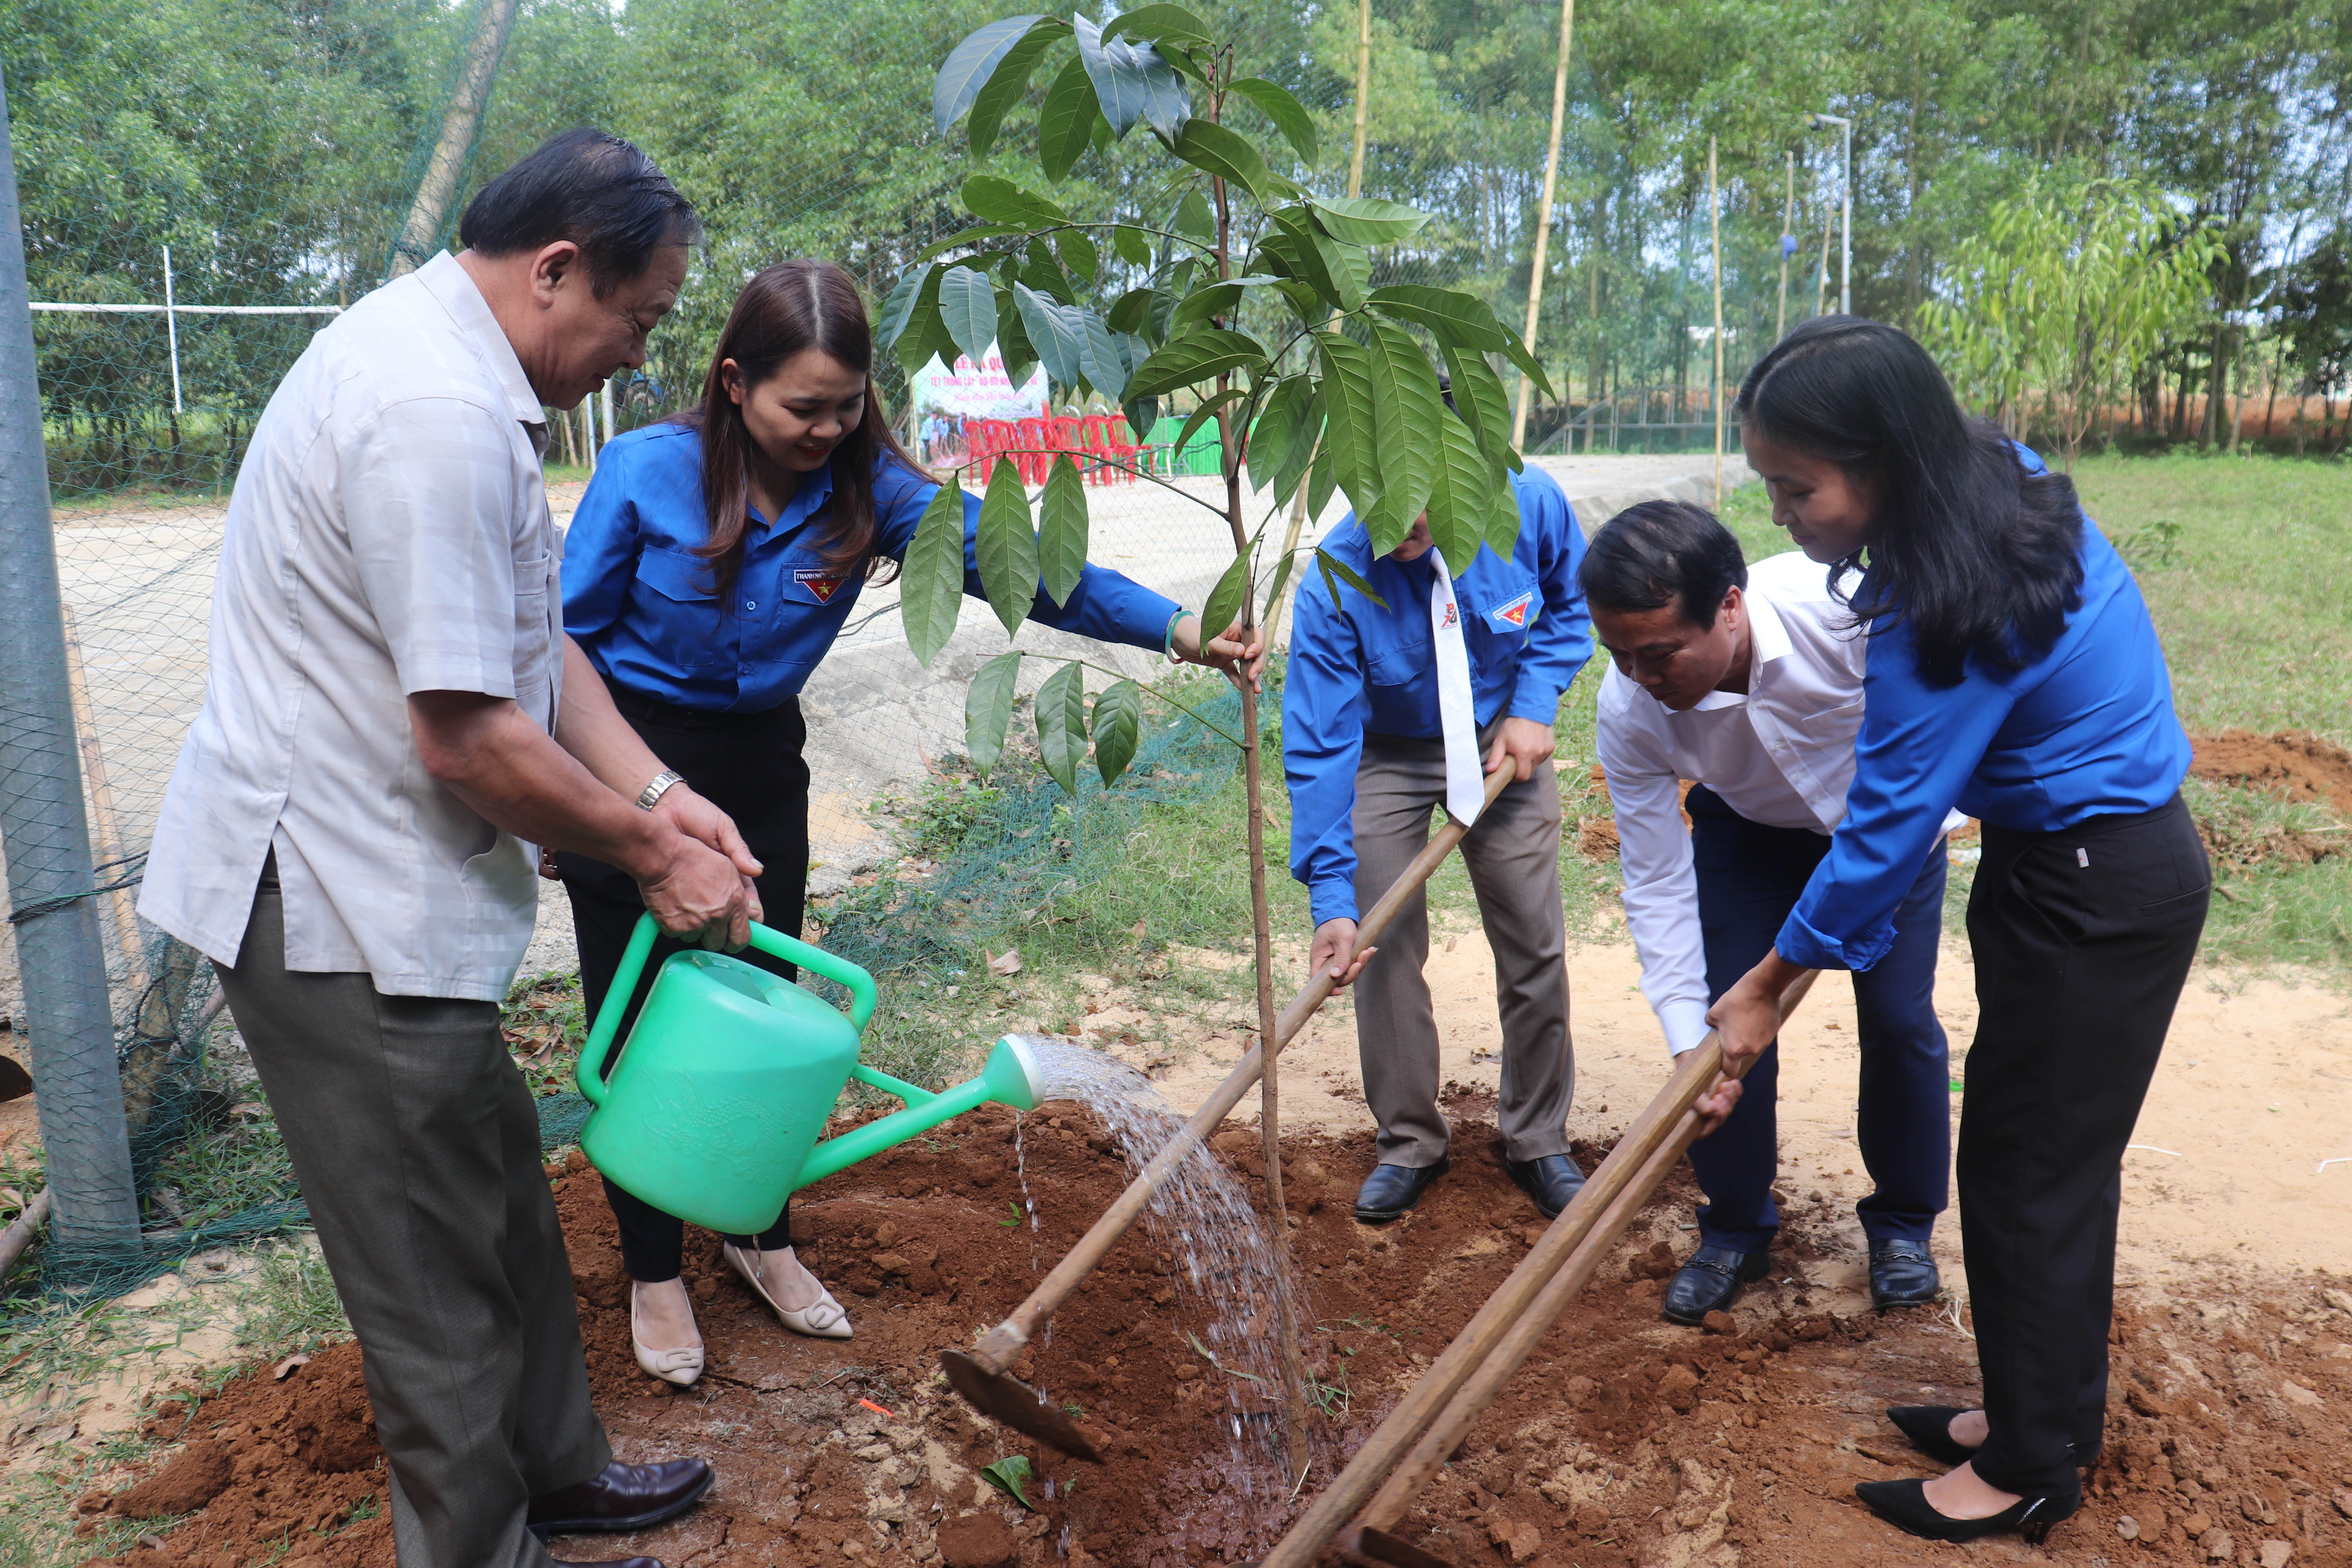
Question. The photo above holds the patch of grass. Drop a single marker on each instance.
(293, 1307)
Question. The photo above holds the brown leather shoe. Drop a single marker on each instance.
(625, 1497)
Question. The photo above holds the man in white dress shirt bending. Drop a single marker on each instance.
(1749, 682)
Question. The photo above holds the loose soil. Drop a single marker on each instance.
(2291, 765)
(1625, 1441)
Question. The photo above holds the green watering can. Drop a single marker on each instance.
(712, 1113)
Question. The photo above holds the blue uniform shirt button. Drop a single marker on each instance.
(750, 604)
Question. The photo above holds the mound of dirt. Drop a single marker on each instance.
(2290, 764)
(1624, 1441)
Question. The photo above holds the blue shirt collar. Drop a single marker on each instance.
(814, 492)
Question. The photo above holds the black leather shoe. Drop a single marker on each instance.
(1552, 1180)
(625, 1497)
(1904, 1505)
(1708, 1282)
(1929, 1428)
(1901, 1274)
(1390, 1189)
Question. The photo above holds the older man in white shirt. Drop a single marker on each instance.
(1748, 682)
(393, 720)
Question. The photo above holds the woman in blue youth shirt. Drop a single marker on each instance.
(710, 566)
(2014, 672)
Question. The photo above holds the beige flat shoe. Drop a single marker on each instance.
(678, 1366)
(826, 1319)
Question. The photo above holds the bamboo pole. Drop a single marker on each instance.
(105, 829)
(1543, 215)
(1715, 243)
(438, 188)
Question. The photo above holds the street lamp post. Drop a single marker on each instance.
(1845, 212)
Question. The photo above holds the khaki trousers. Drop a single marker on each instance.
(1513, 855)
(416, 1143)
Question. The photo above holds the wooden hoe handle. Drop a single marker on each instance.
(1001, 1345)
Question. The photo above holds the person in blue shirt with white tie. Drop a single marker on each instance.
(2013, 673)
(1389, 709)
(710, 566)
(1747, 682)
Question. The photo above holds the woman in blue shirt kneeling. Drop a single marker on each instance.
(2013, 672)
(710, 566)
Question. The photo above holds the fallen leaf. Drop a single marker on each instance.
(249, 1109)
(285, 1369)
(1006, 962)
(1007, 1474)
(1137, 929)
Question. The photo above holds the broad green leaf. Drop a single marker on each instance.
(1065, 125)
(1167, 105)
(1323, 563)
(1230, 597)
(1160, 24)
(1206, 412)
(1134, 246)
(1405, 412)
(968, 236)
(1195, 357)
(1007, 547)
(1503, 517)
(1118, 726)
(1305, 303)
(1201, 304)
(970, 65)
(1142, 414)
(1350, 426)
(1205, 145)
(1277, 431)
(1303, 448)
(988, 711)
(899, 305)
(1002, 201)
(1045, 278)
(1282, 569)
(1516, 352)
(1461, 488)
(1458, 320)
(1131, 311)
(1008, 1474)
(1192, 215)
(1078, 253)
(926, 334)
(1478, 395)
(1062, 724)
(1060, 345)
(1132, 82)
(1325, 476)
(1062, 525)
(1006, 84)
(968, 306)
(1336, 272)
(1106, 367)
(1367, 220)
(1333, 566)
(1012, 339)
(930, 586)
(1289, 116)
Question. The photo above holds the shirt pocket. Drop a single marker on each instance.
(1500, 611)
(674, 611)
(1400, 663)
(536, 631)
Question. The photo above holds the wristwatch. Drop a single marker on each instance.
(657, 787)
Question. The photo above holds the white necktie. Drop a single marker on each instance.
(1465, 784)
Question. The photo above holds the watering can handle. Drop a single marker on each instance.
(791, 950)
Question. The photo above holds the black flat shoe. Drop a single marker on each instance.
(1904, 1505)
(1390, 1189)
(625, 1496)
(1929, 1428)
(1901, 1274)
(1552, 1180)
(1709, 1281)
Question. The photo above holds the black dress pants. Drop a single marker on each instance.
(2083, 941)
(749, 766)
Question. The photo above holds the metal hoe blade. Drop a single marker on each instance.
(1003, 1397)
(1363, 1544)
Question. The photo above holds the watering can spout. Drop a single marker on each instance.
(1011, 1078)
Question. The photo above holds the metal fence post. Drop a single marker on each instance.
(94, 1217)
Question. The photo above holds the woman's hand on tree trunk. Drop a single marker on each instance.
(1238, 650)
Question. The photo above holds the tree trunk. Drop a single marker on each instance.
(435, 192)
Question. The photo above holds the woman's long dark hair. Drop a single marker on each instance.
(783, 310)
(1977, 554)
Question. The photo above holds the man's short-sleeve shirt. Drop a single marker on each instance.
(388, 534)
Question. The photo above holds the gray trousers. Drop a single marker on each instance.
(1513, 855)
(416, 1143)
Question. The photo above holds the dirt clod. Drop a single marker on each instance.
(976, 1540)
(1719, 1323)
(200, 1474)
(1517, 1539)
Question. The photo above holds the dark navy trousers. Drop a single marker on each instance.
(1750, 878)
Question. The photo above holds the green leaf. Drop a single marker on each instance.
(1332, 566)
(1008, 1474)
(1210, 300)
(1461, 488)
(1230, 597)
(1350, 426)
(1062, 524)
(1065, 125)
(1118, 726)
(988, 711)
(967, 306)
(1005, 84)
(970, 65)
(1012, 343)
(1001, 201)
(1277, 431)
(1194, 357)
(1142, 414)
(1132, 82)
(899, 305)
(1131, 311)
(1324, 476)
(1478, 395)
(968, 236)
(1459, 320)
(1160, 24)
(1206, 412)
(1078, 253)
(1205, 145)
(1192, 215)
(1107, 365)
(1062, 724)
(1366, 220)
(930, 588)
(1273, 591)
(1007, 547)
(1405, 412)
(1303, 448)
(1134, 246)
(1516, 352)
(1060, 344)
(1337, 272)
(1503, 517)
(926, 335)
(1289, 116)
